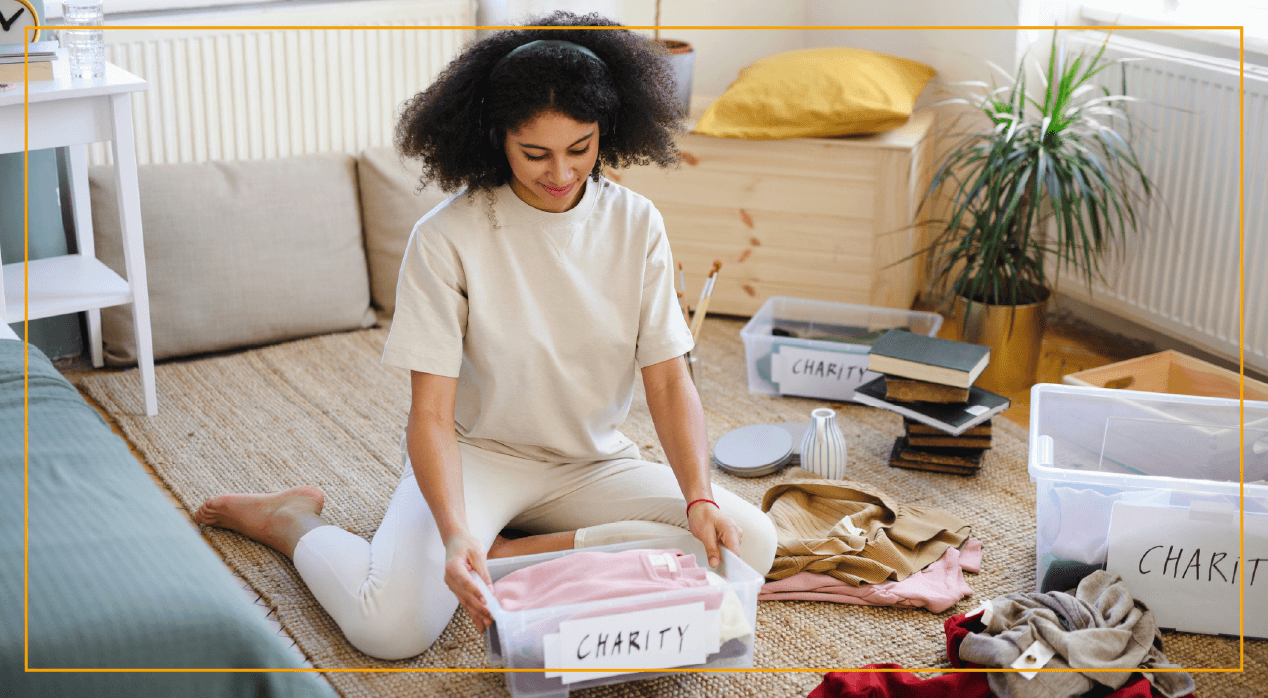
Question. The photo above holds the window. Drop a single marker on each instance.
(53, 8)
(1252, 14)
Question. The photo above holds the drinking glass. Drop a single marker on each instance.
(86, 46)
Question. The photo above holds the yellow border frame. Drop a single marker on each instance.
(1242, 366)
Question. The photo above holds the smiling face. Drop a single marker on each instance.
(550, 156)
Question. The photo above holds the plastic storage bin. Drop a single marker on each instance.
(1091, 447)
(517, 638)
(796, 346)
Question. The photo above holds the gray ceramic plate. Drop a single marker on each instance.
(796, 430)
(753, 451)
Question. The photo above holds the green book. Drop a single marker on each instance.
(932, 359)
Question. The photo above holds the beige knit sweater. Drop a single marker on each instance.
(855, 532)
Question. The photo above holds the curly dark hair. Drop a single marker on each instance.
(457, 125)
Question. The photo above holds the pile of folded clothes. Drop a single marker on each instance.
(849, 542)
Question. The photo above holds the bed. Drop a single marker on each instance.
(117, 579)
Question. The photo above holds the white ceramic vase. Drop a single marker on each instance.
(823, 450)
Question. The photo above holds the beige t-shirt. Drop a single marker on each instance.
(543, 318)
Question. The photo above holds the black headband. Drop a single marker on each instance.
(548, 43)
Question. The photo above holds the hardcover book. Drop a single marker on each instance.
(908, 390)
(947, 441)
(950, 418)
(898, 459)
(914, 427)
(37, 50)
(933, 359)
(16, 72)
(9, 59)
(962, 457)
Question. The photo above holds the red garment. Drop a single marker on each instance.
(959, 627)
(850, 684)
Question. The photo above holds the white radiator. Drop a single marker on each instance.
(232, 93)
(1179, 274)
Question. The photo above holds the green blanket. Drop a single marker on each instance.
(116, 578)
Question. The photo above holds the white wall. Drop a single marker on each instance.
(957, 54)
(720, 54)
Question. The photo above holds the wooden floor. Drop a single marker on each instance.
(1069, 348)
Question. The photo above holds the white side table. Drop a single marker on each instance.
(65, 112)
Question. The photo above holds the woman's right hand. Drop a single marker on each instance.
(464, 555)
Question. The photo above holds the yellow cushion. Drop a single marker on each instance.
(817, 92)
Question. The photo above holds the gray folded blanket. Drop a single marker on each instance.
(1099, 627)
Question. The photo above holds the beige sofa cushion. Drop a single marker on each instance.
(390, 206)
(239, 253)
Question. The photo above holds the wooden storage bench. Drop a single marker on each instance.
(818, 218)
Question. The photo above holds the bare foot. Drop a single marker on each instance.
(277, 520)
(498, 549)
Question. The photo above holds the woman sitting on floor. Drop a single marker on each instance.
(525, 303)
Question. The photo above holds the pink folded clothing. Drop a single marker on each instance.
(594, 575)
(937, 587)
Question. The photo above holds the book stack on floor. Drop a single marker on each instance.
(929, 381)
(39, 55)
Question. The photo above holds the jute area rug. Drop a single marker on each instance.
(324, 411)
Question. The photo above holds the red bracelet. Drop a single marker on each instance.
(697, 501)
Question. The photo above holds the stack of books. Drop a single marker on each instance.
(41, 55)
(929, 381)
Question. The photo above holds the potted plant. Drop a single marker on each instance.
(1051, 179)
(682, 59)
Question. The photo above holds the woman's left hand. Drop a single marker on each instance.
(709, 525)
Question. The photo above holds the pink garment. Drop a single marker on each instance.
(595, 575)
(937, 587)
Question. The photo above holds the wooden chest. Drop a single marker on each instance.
(818, 218)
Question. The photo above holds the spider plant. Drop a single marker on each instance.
(1049, 178)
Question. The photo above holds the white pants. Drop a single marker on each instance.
(389, 596)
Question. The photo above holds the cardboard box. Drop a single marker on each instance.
(1149, 484)
(811, 348)
(1169, 372)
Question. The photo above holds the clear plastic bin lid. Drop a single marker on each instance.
(1138, 433)
(825, 321)
(1196, 451)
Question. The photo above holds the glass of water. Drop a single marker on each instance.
(86, 46)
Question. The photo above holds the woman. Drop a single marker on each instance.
(524, 304)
